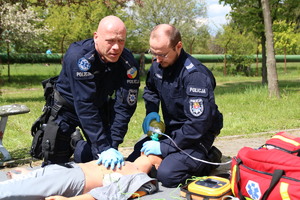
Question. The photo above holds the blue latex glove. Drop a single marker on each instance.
(148, 119)
(151, 147)
(111, 158)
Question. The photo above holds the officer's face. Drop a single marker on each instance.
(110, 43)
(165, 55)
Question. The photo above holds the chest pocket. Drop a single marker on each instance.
(173, 90)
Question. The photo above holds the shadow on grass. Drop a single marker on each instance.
(20, 157)
(24, 100)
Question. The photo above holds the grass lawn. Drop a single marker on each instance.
(243, 101)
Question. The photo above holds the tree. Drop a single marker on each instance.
(239, 45)
(73, 22)
(285, 39)
(248, 15)
(18, 25)
(271, 61)
(183, 14)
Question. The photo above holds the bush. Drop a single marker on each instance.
(30, 58)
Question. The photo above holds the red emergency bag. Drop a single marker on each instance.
(271, 172)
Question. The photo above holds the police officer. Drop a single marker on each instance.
(99, 82)
(185, 90)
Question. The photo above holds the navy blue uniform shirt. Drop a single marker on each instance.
(86, 82)
(185, 91)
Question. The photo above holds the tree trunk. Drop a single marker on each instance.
(285, 69)
(62, 47)
(8, 60)
(263, 60)
(225, 62)
(257, 61)
(191, 46)
(271, 61)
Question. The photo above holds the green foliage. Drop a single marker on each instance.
(286, 40)
(239, 45)
(73, 20)
(70, 23)
(30, 58)
(183, 14)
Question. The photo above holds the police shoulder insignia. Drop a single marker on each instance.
(196, 107)
(189, 65)
(132, 72)
(83, 64)
(132, 97)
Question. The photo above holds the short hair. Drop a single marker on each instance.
(172, 32)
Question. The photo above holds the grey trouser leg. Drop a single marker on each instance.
(44, 182)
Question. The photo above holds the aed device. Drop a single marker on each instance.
(206, 188)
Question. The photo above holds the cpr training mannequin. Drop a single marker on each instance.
(85, 179)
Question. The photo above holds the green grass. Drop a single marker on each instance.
(243, 101)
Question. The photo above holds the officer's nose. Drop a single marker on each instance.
(159, 59)
(116, 46)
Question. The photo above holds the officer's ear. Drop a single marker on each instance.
(178, 47)
(95, 36)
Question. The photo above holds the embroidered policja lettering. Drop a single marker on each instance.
(198, 90)
(196, 107)
(83, 74)
(133, 81)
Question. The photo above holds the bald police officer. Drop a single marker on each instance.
(99, 82)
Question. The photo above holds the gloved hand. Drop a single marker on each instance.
(151, 147)
(111, 157)
(148, 119)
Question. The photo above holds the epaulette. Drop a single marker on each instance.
(189, 66)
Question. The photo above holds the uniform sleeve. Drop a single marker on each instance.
(150, 95)
(83, 89)
(125, 101)
(199, 106)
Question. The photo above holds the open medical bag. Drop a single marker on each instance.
(271, 172)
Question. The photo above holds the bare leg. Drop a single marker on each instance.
(145, 163)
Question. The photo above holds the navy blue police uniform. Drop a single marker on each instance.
(185, 91)
(102, 98)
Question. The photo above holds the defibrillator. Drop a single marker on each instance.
(206, 188)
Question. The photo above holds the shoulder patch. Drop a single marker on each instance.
(196, 107)
(189, 66)
(132, 72)
(83, 64)
(132, 96)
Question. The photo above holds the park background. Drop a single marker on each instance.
(238, 50)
